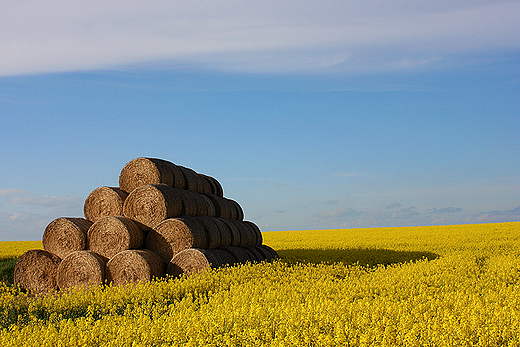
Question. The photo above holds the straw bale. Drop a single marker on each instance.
(192, 260)
(247, 235)
(207, 187)
(209, 205)
(113, 234)
(176, 234)
(270, 250)
(225, 233)
(235, 232)
(192, 180)
(216, 188)
(202, 207)
(238, 212)
(267, 255)
(259, 257)
(36, 271)
(225, 257)
(133, 266)
(222, 206)
(152, 203)
(65, 235)
(189, 203)
(256, 232)
(240, 254)
(141, 171)
(104, 201)
(212, 231)
(81, 269)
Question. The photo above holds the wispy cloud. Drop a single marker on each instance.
(498, 216)
(253, 36)
(446, 210)
(25, 217)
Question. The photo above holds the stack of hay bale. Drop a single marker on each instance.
(162, 219)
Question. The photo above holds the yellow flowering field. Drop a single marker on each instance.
(413, 286)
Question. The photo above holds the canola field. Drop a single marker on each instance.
(413, 286)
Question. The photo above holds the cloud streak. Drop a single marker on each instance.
(254, 36)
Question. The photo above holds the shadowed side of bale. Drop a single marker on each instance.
(65, 235)
(256, 231)
(36, 271)
(216, 188)
(247, 235)
(81, 269)
(259, 257)
(191, 261)
(212, 231)
(134, 265)
(104, 201)
(176, 234)
(273, 253)
(234, 231)
(151, 204)
(113, 234)
(142, 171)
(268, 256)
(225, 233)
(240, 254)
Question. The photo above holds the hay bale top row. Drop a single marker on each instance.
(141, 171)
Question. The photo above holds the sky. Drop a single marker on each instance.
(311, 114)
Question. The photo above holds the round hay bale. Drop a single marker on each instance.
(221, 206)
(231, 209)
(212, 231)
(241, 255)
(206, 185)
(152, 203)
(81, 269)
(209, 205)
(104, 201)
(268, 256)
(192, 180)
(238, 212)
(141, 171)
(202, 208)
(36, 271)
(259, 257)
(247, 235)
(113, 234)
(191, 261)
(176, 234)
(268, 249)
(235, 232)
(256, 231)
(225, 233)
(133, 266)
(189, 203)
(225, 257)
(65, 235)
(216, 188)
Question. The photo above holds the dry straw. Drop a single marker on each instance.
(36, 271)
(193, 260)
(151, 204)
(176, 234)
(113, 234)
(141, 171)
(65, 235)
(133, 266)
(81, 269)
(104, 201)
(212, 231)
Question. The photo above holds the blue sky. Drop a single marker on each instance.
(312, 115)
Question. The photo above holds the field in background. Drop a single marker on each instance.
(413, 286)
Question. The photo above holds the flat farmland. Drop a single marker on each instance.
(456, 285)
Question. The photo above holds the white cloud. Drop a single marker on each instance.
(43, 200)
(9, 192)
(305, 35)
